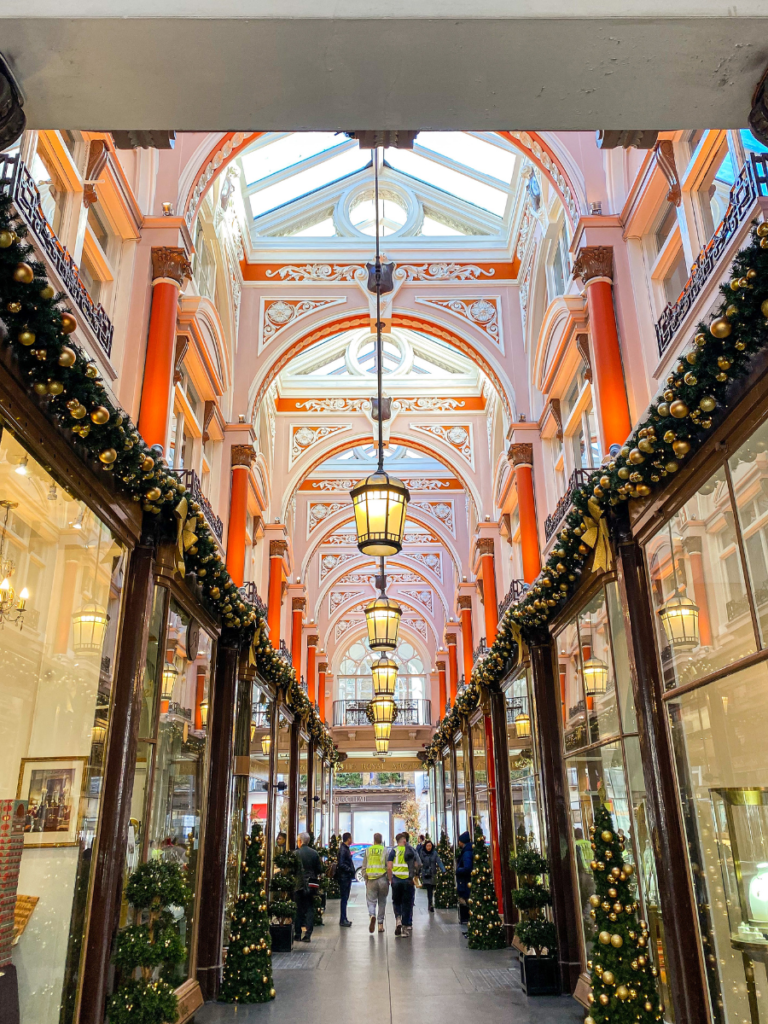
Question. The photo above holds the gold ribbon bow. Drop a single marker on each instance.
(252, 649)
(596, 536)
(186, 536)
(517, 636)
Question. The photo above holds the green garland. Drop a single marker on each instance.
(675, 426)
(37, 326)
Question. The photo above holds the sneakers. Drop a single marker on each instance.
(398, 927)
(407, 931)
(345, 924)
(381, 926)
(372, 925)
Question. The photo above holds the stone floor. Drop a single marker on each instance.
(431, 978)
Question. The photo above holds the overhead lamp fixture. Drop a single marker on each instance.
(168, 680)
(382, 616)
(595, 676)
(382, 730)
(379, 501)
(77, 524)
(11, 610)
(204, 713)
(253, 730)
(384, 675)
(21, 468)
(522, 725)
(383, 708)
(266, 744)
(89, 629)
(679, 615)
(382, 746)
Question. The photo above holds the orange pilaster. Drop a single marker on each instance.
(238, 525)
(199, 696)
(521, 456)
(322, 669)
(66, 606)
(158, 364)
(297, 612)
(277, 549)
(451, 641)
(467, 649)
(312, 642)
(490, 602)
(490, 763)
(442, 688)
(700, 591)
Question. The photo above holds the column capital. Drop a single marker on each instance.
(520, 454)
(170, 263)
(451, 639)
(464, 602)
(298, 604)
(594, 261)
(313, 639)
(485, 546)
(242, 455)
(322, 666)
(278, 548)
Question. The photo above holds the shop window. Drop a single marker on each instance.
(279, 820)
(667, 224)
(585, 441)
(480, 766)
(749, 472)
(102, 232)
(714, 191)
(89, 275)
(523, 767)
(675, 277)
(203, 265)
(461, 785)
(60, 605)
(448, 791)
(52, 192)
(597, 669)
(557, 271)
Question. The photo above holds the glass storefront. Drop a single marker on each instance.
(305, 798)
(279, 821)
(460, 786)
(480, 766)
(61, 582)
(450, 824)
(523, 765)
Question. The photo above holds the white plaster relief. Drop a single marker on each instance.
(319, 512)
(329, 273)
(276, 314)
(303, 437)
(458, 436)
(441, 510)
(337, 598)
(422, 597)
(330, 562)
(482, 311)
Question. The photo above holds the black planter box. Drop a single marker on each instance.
(540, 975)
(282, 937)
(463, 913)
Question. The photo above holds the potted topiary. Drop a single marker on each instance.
(282, 907)
(539, 972)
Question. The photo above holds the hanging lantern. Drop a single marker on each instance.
(169, 677)
(382, 746)
(680, 619)
(384, 674)
(253, 730)
(99, 732)
(89, 629)
(595, 676)
(380, 502)
(204, 713)
(523, 725)
(382, 730)
(266, 744)
(383, 709)
(383, 618)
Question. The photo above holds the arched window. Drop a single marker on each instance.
(354, 675)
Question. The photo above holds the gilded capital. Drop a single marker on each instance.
(172, 262)
(451, 639)
(313, 640)
(594, 261)
(521, 454)
(243, 455)
(465, 601)
(322, 666)
(277, 548)
(298, 604)
(485, 546)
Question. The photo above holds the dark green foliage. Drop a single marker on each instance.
(445, 883)
(248, 967)
(533, 930)
(537, 934)
(322, 852)
(333, 892)
(151, 946)
(282, 886)
(623, 975)
(485, 928)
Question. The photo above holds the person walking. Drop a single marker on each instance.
(345, 873)
(430, 865)
(376, 881)
(307, 884)
(464, 874)
(403, 865)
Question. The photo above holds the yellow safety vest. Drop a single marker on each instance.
(375, 865)
(399, 867)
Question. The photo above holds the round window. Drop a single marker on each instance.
(392, 213)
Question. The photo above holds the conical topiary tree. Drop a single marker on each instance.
(248, 967)
(485, 928)
(150, 947)
(623, 976)
(333, 892)
(530, 898)
(445, 883)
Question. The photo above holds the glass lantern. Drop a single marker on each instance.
(89, 626)
(522, 725)
(384, 675)
(595, 676)
(383, 618)
(380, 503)
(680, 619)
(742, 818)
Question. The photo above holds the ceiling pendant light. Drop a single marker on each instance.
(379, 501)
(382, 746)
(382, 731)
(384, 674)
(382, 616)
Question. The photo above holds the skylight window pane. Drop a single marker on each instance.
(472, 152)
(434, 227)
(276, 156)
(459, 185)
(323, 229)
(304, 182)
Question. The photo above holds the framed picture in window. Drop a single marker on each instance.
(52, 787)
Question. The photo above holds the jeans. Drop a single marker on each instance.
(430, 888)
(403, 895)
(345, 885)
(305, 913)
(376, 891)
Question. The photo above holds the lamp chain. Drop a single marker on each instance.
(379, 353)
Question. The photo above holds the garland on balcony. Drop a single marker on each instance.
(36, 325)
(674, 428)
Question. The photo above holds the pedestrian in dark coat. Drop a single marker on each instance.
(430, 865)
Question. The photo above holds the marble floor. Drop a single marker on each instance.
(430, 978)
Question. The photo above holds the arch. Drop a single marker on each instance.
(341, 612)
(355, 633)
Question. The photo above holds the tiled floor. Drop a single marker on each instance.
(431, 978)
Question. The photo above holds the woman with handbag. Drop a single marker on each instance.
(430, 865)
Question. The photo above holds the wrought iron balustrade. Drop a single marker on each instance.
(174, 708)
(516, 706)
(517, 589)
(260, 715)
(480, 651)
(285, 654)
(18, 184)
(751, 183)
(410, 712)
(578, 478)
(251, 595)
(190, 478)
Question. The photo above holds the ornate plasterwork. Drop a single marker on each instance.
(541, 154)
(319, 512)
(170, 263)
(441, 510)
(525, 288)
(336, 405)
(418, 535)
(482, 311)
(422, 483)
(343, 625)
(337, 598)
(442, 272)
(304, 436)
(422, 597)
(593, 261)
(431, 560)
(527, 223)
(276, 314)
(358, 577)
(330, 273)
(427, 404)
(218, 158)
(416, 622)
(458, 436)
(342, 537)
(330, 562)
(339, 484)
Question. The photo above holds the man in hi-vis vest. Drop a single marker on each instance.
(403, 865)
(376, 881)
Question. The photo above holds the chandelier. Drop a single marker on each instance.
(379, 501)
(11, 609)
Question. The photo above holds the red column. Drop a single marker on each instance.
(170, 267)
(298, 604)
(594, 265)
(312, 641)
(238, 524)
(693, 547)
(199, 696)
(451, 641)
(467, 650)
(322, 669)
(490, 602)
(522, 460)
(490, 763)
(442, 688)
(277, 549)
(66, 605)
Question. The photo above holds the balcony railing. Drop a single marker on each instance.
(480, 651)
(192, 481)
(517, 588)
(17, 183)
(409, 712)
(751, 183)
(516, 706)
(251, 595)
(578, 477)
(285, 654)
(260, 715)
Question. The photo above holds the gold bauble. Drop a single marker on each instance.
(604, 999)
(720, 328)
(153, 494)
(671, 466)
(108, 456)
(148, 464)
(40, 353)
(623, 473)
(605, 482)
(612, 916)
(663, 409)
(594, 900)
(643, 490)
(14, 306)
(598, 492)
(6, 239)
(272, 993)
(669, 395)
(636, 457)
(708, 403)
(629, 868)
(91, 370)
(721, 377)
(764, 243)
(647, 1006)
(622, 992)
(23, 273)
(690, 378)
(47, 293)
(583, 549)
(732, 311)
(68, 323)
(100, 415)
(604, 938)
(67, 356)
(606, 836)
(679, 409)
(734, 284)
(645, 445)
(616, 941)
(691, 357)
(40, 388)
(724, 362)
(751, 274)
(762, 230)
(740, 345)
(608, 978)
(743, 282)
(681, 448)
(26, 337)
(79, 412)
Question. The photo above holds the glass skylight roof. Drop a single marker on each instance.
(275, 156)
(472, 152)
(303, 182)
(448, 180)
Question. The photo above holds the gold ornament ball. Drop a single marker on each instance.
(589, 1020)
(152, 495)
(91, 370)
(636, 457)
(623, 473)
(47, 293)
(108, 456)
(272, 993)
(606, 836)
(594, 900)
(642, 490)
(720, 328)
(708, 403)
(616, 941)
(14, 307)
(740, 345)
(23, 273)
(6, 239)
(690, 379)
(68, 323)
(647, 1006)
(732, 310)
(147, 465)
(671, 466)
(681, 448)
(100, 415)
(67, 356)
(40, 388)
(724, 362)
(26, 338)
(679, 409)
(605, 482)
(79, 412)
(604, 999)
(622, 992)
(629, 868)
(605, 938)
(608, 978)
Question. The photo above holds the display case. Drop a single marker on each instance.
(741, 814)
